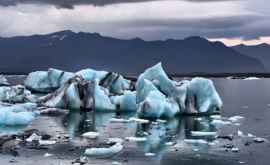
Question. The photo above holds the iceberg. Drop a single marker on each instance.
(47, 81)
(202, 97)
(126, 102)
(116, 83)
(161, 81)
(153, 103)
(77, 93)
(15, 94)
(3, 81)
(19, 114)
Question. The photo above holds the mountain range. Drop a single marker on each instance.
(72, 51)
(260, 52)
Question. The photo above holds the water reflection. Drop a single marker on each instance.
(159, 135)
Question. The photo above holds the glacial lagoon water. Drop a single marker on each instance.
(175, 141)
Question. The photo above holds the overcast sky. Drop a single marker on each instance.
(231, 21)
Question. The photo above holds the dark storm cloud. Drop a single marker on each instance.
(69, 4)
(162, 19)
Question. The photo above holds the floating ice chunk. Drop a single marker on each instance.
(136, 139)
(250, 135)
(115, 140)
(252, 78)
(46, 142)
(118, 120)
(47, 154)
(14, 94)
(235, 118)
(47, 81)
(216, 116)
(20, 114)
(33, 137)
(202, 96)
(150, 154)
(240, 133)
(201, 133)
(143, 121)
(195, 141)
(116, 148)
(259, 140)
(116, 163)
(219, 123)
(3, 81)
(126, 102)
(235, 149)
(90, 135)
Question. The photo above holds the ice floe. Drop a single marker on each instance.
(90, 135)
(15, 94)
(114, 149)
(19, 114)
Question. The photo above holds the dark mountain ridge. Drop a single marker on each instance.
(74, 51)
(260, 52)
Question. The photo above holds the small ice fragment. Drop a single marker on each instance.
(218, 122)
(252, 78)
(116, 163)
(33, 137)
(115, 140)
(240, 133)
(136, 139)
(47, 142)
(250, 135)
(169, 143)
(201, 133)
(216, 116)
(235, 149)
(235, 118)
(117, 120)
(116, 148)
(196, 149)
(195, 141)
(149, 154)
(47, 154)
(161, 121)
(240, 162)
(90, 135)
(144, 121)
(258, 140)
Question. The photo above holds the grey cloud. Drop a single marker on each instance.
(69, 4)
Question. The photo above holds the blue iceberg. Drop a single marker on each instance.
(47, 81)
(19, 114)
